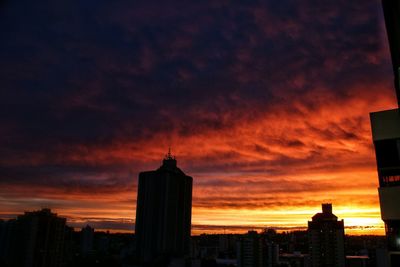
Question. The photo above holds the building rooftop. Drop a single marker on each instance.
(170, 164)
(326, 214)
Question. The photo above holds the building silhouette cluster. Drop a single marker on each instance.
(163, 236)
(59, 245)
(42, 239)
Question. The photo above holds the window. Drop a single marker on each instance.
(388, 153)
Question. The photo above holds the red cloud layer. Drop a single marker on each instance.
(271, 170)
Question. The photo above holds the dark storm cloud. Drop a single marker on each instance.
(90, 72)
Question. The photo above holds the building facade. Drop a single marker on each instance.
(326, 239)
(386, 137)
(163, 213)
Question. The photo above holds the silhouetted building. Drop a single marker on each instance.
(163, 213)
(271, 254)
(205, 246)
(326, 239)
(227, 246)
(87, 234)
(35, 239)
(250, 251)
(386, 136)
(256, 250)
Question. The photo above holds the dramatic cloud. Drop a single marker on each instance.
(265, 103)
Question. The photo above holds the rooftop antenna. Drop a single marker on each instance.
(169, 155)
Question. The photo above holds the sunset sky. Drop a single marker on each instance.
(264, 103)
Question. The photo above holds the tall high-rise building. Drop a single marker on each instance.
(326, 239)
(163, 213)
(386, 136)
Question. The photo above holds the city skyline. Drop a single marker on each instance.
(266, 105)
(42, 237)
